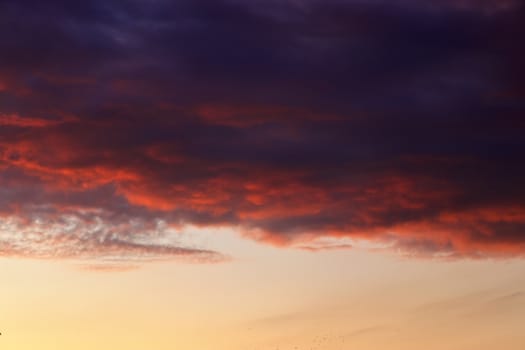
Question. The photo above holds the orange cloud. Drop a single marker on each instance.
(307, 133)
(415, 214)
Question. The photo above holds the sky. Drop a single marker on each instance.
(256, 175)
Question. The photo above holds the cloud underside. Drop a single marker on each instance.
(301, 124)
(99, 242)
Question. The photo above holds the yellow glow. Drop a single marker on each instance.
(265, 298)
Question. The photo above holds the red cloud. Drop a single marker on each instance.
(248, 115)
(16, 120)
(415, 214)
(312, 126)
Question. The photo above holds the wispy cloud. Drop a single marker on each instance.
(101, 241)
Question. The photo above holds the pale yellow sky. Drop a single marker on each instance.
(265, 298)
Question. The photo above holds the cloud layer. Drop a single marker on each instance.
(294, 121)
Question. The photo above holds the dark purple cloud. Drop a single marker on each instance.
(295, 121)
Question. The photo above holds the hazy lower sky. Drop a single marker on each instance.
(262, 174)
(266, 298)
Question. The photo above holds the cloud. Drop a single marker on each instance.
(299, 123)
(101, 241)
(16, 120)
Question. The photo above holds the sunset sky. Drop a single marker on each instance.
(262, 174)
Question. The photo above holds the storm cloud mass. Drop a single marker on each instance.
(399, 123)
